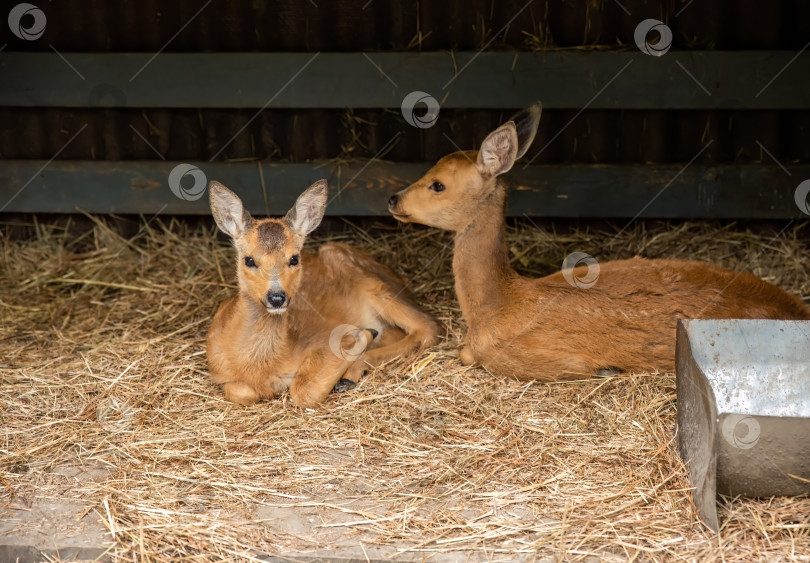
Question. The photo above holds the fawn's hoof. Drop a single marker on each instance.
(602, 372)
(374, 333)
(466, 356)
(344, 385)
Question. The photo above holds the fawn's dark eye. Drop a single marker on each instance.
(294, 260)
(250, 262)
(436, 187)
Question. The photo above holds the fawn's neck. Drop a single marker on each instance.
(266, 333)
(480, 261)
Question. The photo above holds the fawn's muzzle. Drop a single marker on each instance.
(277, 299)
(393, 208)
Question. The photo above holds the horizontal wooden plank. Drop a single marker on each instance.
(561, 79)
(610, 191)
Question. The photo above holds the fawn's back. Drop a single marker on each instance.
(625, 321)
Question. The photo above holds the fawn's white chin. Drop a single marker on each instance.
(275, 311)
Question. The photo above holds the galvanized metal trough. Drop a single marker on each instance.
(743, 391)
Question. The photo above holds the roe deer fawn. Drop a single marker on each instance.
(546, 328)
(292, 326)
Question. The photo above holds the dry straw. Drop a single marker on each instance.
(102, 366)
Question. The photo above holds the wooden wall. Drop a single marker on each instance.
(114, 95)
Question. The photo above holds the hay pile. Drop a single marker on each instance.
(102, 367)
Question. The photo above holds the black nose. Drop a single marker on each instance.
(277, 299)
(393, 201)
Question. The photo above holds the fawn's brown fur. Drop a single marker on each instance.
(293, 324)
(548, 329)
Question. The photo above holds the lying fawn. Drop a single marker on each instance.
(546, 328)
(292, 326)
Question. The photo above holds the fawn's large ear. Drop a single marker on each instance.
(498, 152)
(306, 214)
(526, 123)
(229, 213)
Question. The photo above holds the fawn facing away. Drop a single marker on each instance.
(293, 323)
(546, 328)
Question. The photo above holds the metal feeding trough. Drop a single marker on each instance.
(744, 408)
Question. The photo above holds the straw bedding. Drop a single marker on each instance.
(102, 367)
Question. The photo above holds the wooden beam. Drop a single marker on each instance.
(609, 191)
(497, 80)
